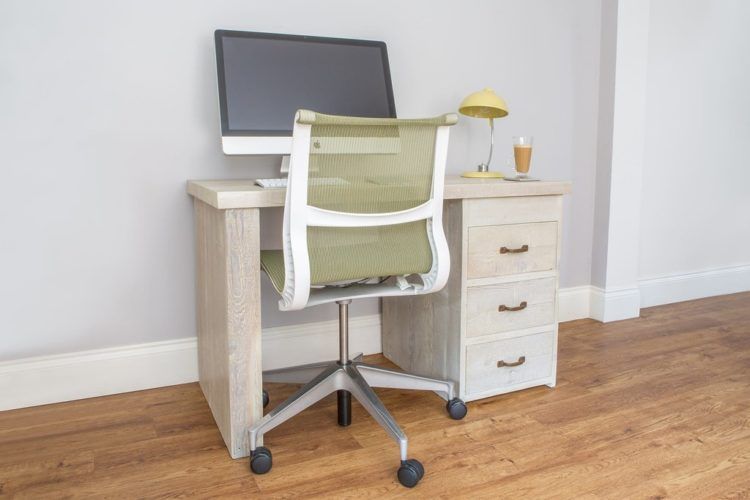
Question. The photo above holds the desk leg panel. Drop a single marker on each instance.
(228, 319)
(422, 334)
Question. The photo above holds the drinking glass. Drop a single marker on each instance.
(522, 153)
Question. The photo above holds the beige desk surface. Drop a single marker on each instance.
(227, 194)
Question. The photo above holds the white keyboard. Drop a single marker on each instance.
(316, 181)
(272, 183)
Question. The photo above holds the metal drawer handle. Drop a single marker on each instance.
(519, 307)
(521, 360)
(522, 249)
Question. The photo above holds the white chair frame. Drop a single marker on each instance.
(298, 216)
(351, 377)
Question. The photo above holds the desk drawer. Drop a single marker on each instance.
(511, 249)
(510, 306)
(512, 210)
(491, 366)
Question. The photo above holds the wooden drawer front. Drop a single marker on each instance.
(483, 373)
(526, 303)
(513, 210)
(486, 259)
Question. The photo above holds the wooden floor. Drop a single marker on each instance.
(654, 407)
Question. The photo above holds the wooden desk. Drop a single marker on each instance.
(228, 291)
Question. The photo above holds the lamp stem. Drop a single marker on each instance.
(492, 143)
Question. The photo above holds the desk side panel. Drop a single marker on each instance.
(244, 325)
(228, 312)
(211, 312)
(421, 334)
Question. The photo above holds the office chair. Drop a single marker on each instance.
(363, 218)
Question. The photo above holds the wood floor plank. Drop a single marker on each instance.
(655, 407)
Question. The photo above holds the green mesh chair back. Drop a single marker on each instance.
(364, 200)
(369, 166)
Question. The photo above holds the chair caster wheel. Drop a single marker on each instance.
(456, 409)
(266, 399)
(410, 472)
(260, 460)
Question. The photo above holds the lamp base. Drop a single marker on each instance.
(475, 174)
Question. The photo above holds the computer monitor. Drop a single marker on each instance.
(265, 78)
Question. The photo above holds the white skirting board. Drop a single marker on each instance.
(78, 375)
(312, 342)
(625, 303)
(86, 374)
(614, 305)
(696, 285)
(573, 303)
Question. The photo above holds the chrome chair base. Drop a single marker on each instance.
(351, 378)
(322, 379)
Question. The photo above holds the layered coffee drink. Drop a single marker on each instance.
(522, 153)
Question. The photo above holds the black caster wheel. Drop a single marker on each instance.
(410, 472)
(456, 409)
(260, 460)
(266, 399)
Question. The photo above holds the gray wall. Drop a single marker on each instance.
(106, 108)
(695, 206)
(605, 125)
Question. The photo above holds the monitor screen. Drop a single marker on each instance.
(265, 78)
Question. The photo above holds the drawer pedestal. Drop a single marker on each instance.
(493, 328)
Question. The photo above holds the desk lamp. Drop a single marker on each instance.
(484, 104)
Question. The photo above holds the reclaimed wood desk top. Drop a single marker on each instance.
(228, 194)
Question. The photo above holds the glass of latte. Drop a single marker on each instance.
(522, 152)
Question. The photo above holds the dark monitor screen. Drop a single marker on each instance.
(265, 78)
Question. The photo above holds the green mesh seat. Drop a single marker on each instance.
(272, 263)
(358, 256)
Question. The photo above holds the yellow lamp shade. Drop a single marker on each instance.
(484, 104)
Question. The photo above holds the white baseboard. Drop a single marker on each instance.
(614, 305)
(312, 342)
(86, 374)
(625, 303)
(697, 285)
(593, 302)
(66, 377)
(574, 303)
